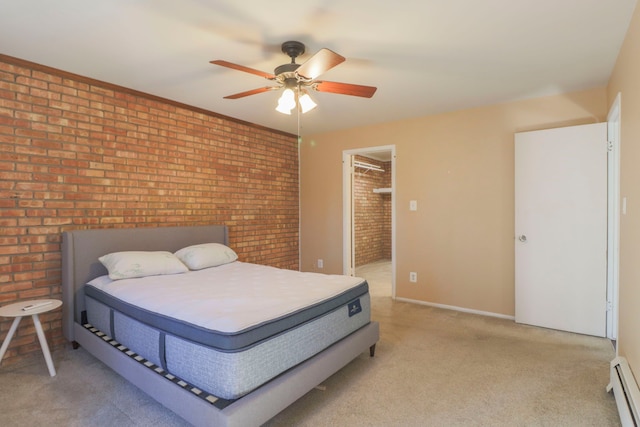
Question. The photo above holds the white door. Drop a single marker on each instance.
(561, 228)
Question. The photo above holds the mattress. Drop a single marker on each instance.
(231, 328)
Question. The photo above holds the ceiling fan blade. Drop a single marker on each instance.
(251, 92)
(243, 68)
(319, 63)
(345, 89)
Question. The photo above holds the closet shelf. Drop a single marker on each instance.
(367, 166)
(382, 190)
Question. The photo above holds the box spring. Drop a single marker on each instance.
(230, 374)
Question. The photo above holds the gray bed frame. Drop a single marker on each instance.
(80, 252)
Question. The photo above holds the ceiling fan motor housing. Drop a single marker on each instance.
(286, 72)
(286, 68)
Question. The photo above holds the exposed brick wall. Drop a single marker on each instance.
(77, 153)
(372, 213)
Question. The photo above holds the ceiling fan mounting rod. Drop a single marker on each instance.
(293, 49)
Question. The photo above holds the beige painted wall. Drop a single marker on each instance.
(626, 80)
(459, 166)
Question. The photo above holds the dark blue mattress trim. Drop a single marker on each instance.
(162, 351)
(112, 331)
(228, 341)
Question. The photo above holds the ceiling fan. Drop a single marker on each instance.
(298, 79)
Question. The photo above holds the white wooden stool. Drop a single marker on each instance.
(30, 308)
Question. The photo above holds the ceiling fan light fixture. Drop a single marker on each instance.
(306, 103)
(287, 102)
(283, 110)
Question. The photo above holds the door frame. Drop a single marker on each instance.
(348, 249)
(613, 216)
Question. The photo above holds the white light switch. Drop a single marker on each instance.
(413, 205)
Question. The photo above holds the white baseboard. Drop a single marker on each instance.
(454, 308)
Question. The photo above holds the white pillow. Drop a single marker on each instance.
(197, 257)
(128, 264)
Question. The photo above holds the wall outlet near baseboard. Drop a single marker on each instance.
(320, 263)
(413, 277)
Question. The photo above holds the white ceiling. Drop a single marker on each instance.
(425, 56)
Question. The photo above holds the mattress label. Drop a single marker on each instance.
(354, 307)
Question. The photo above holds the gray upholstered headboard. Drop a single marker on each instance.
(82, 248)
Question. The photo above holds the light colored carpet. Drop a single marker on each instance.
(432, 367)
(378, 275)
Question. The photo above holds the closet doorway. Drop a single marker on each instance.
(369, 217)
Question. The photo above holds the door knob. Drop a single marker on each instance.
(522, 238)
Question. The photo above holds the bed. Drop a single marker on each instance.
(200, 395)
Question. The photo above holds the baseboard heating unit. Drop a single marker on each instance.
(625, 390)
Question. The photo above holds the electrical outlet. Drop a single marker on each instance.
(413, 277)
(320, 263)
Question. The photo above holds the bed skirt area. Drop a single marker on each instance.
(226, 375)
(210, 398)
(253, 409)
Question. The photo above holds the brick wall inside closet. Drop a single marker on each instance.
(372, 213)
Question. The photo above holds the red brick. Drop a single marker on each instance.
(85, 155)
